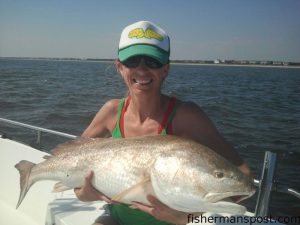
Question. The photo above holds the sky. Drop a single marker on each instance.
(198, 29)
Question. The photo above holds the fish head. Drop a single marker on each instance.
(224, 184)
(218, 179)
(193, 183)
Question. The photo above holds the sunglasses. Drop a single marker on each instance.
(134, 62)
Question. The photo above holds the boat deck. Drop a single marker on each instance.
(40, 204)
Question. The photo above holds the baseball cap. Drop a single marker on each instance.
(144, 38)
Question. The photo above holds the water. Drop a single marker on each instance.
(257, 109)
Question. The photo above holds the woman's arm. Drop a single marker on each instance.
(191, 122)
(88, 193)
(162, 212)
(104, 121)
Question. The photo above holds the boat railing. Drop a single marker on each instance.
(39, 130)
(266, 185)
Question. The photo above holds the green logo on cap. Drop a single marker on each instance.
(149, 33)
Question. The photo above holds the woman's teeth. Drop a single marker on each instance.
(142, 81)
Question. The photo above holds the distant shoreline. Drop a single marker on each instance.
(173, 62)
(235, 65)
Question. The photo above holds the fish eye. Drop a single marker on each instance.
(219, 174)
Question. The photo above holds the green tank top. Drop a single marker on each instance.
(121, 212)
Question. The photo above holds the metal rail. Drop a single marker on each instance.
(266, 184)
(284, 190)
(39, 130)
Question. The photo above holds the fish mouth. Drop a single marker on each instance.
(239, 198)
(228, 196)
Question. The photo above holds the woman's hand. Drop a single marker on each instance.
(161, 211)
(88, 193)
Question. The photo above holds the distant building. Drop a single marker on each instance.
(244, 62)
(277, 63)
(265, 62)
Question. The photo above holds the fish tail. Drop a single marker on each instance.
(24, 167)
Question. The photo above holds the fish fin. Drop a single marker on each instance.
(24, 167)
(70, 146)
(59, 187)
(48, 156)
(65, 147)
(141, 189)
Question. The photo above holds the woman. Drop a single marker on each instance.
(143, 63)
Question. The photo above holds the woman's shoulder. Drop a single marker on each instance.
(105, 119)
(109, 110)
(190, 117)
(111, 105)
(188, 108)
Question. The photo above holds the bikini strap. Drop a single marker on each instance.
(122, 116)
(166, 125)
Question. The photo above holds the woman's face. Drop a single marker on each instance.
(140, 77)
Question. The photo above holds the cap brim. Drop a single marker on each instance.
(148, 50)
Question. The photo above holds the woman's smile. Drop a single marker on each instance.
(142, 80)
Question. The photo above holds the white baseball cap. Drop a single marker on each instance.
(144, 38)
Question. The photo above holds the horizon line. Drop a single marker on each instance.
(215, 61)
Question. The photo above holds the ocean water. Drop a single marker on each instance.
(257, 109)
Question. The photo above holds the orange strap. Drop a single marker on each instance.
(165, 121)
(122, 116)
